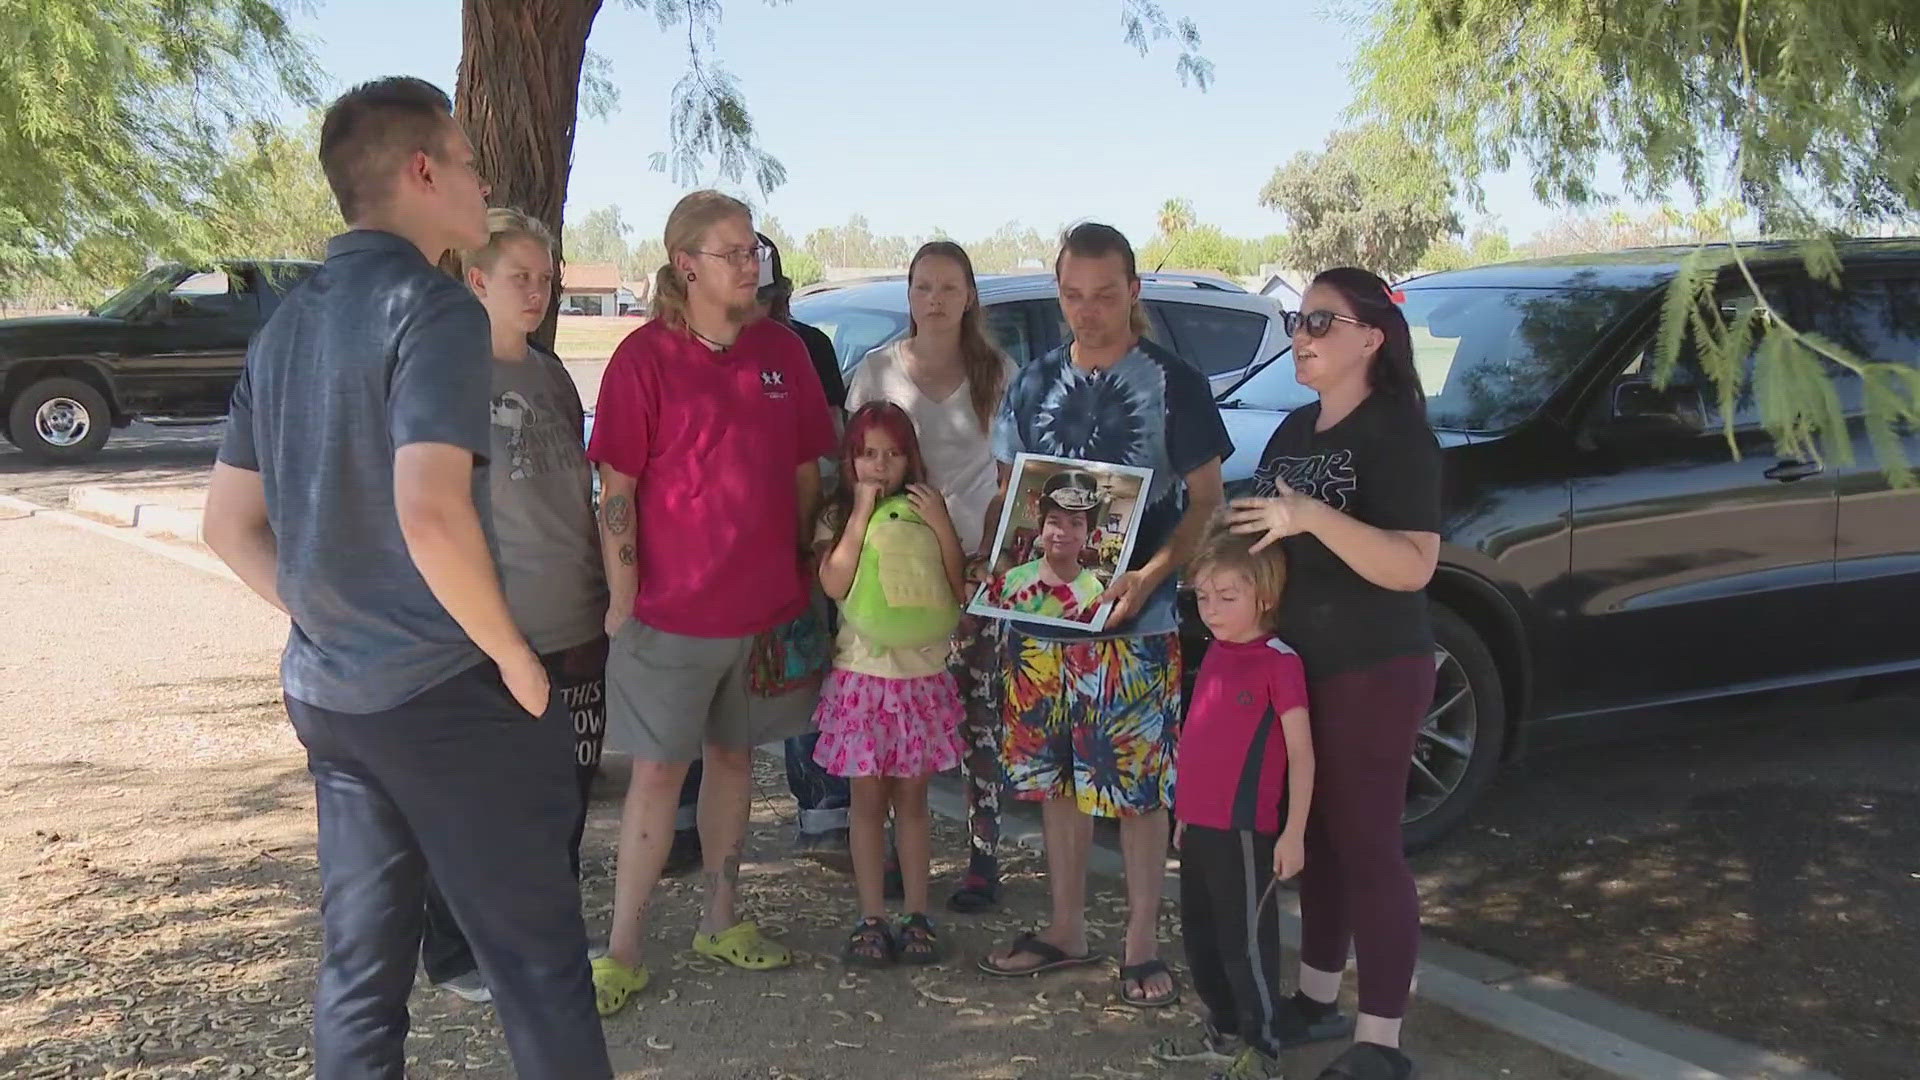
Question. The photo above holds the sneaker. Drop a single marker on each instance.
(1302, 1020)
(469, 987)
(1251, 1064)
(1203, 1044)
(830, 849)
(684, 856)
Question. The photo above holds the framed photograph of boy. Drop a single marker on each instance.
(1066, 531)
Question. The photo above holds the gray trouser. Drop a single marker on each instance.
(462, 781)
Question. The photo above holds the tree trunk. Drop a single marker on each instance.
(517, 95)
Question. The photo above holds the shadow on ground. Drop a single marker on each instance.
(1762, 882)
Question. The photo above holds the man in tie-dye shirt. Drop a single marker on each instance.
(1091, 717)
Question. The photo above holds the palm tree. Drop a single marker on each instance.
(1176, 217)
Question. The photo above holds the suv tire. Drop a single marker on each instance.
(1459, 745)
(59, 421)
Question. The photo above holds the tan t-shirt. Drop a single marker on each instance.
(958, 453)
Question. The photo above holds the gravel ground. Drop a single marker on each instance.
(1760, 880)
(158, 912)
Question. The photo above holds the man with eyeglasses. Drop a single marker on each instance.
(823, 798)
(709, 430)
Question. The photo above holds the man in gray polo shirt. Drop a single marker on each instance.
(351, 493)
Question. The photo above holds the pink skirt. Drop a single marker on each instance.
(870, 726)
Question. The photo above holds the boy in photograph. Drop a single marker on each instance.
(1054, 584)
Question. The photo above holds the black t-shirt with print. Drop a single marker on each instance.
(1380, 465)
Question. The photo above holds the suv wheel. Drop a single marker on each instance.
(59, 420)
(1457, 749)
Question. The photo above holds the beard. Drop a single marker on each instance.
(742, 314)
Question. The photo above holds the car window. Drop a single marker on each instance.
(1875, 319)
(1487, 358)
(1220, 340)
(1011, 326)
(1692, 389)
(855, 330)
(208, 295)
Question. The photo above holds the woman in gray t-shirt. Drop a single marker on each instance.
(541, 490)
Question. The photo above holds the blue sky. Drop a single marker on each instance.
(962, 117)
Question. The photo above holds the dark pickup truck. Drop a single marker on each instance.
(167, 348)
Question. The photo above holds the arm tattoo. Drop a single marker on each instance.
(626, 554)
(618, 514)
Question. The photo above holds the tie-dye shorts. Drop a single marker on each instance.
(1093, 721)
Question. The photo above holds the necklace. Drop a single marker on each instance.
(717, 346)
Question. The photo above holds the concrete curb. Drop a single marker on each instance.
(21, 509)
(1566, 1019)
(1576, 1023)
(123, 505)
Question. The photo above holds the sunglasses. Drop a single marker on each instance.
(1317, 323)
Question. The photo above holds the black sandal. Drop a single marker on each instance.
(1370, 1061)
(871, 944)
(918, 942)
(976, 895)
(1051, 958)
(1137, 975)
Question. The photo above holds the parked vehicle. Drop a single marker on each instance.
(167, 348)
(1605, 554)
(1208, 321)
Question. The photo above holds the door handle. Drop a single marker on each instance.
(1790, 469)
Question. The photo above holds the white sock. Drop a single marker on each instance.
(1321, 986)
(1378, 1030)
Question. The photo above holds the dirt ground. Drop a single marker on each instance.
(158, 892)
(1759, 879)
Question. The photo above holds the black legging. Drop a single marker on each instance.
(1356, 890)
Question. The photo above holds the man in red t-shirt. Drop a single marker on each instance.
(708, 434)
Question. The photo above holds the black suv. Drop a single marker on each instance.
(168, 347)
(1604, 552)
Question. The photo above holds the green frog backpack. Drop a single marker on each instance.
(900, 597)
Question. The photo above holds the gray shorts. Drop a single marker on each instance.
(668, 695)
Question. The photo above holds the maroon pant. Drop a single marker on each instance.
(1356, 890)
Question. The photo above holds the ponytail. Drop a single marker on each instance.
(686, 229)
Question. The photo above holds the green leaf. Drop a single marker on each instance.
(1682, 294)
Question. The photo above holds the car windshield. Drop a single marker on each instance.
(1487, 357)
(856, 328)
(126, 300)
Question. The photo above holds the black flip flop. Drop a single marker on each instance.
(1138, 974)
(1370, 1061)
(871, 933)
(1051, 957)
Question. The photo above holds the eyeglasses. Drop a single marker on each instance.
(1317, 322)
(739, 258)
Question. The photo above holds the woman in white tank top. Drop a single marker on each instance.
(950, 377)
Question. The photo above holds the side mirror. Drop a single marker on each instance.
(1640, 407)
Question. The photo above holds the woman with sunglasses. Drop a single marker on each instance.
(1351, 487)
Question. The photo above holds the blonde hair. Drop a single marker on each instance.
(504, 224)
(1223, 549)
(982, 361)
(686, 227)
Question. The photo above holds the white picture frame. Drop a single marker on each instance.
(1018, 543)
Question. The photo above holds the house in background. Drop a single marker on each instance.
(589, 289)
(632, 297)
